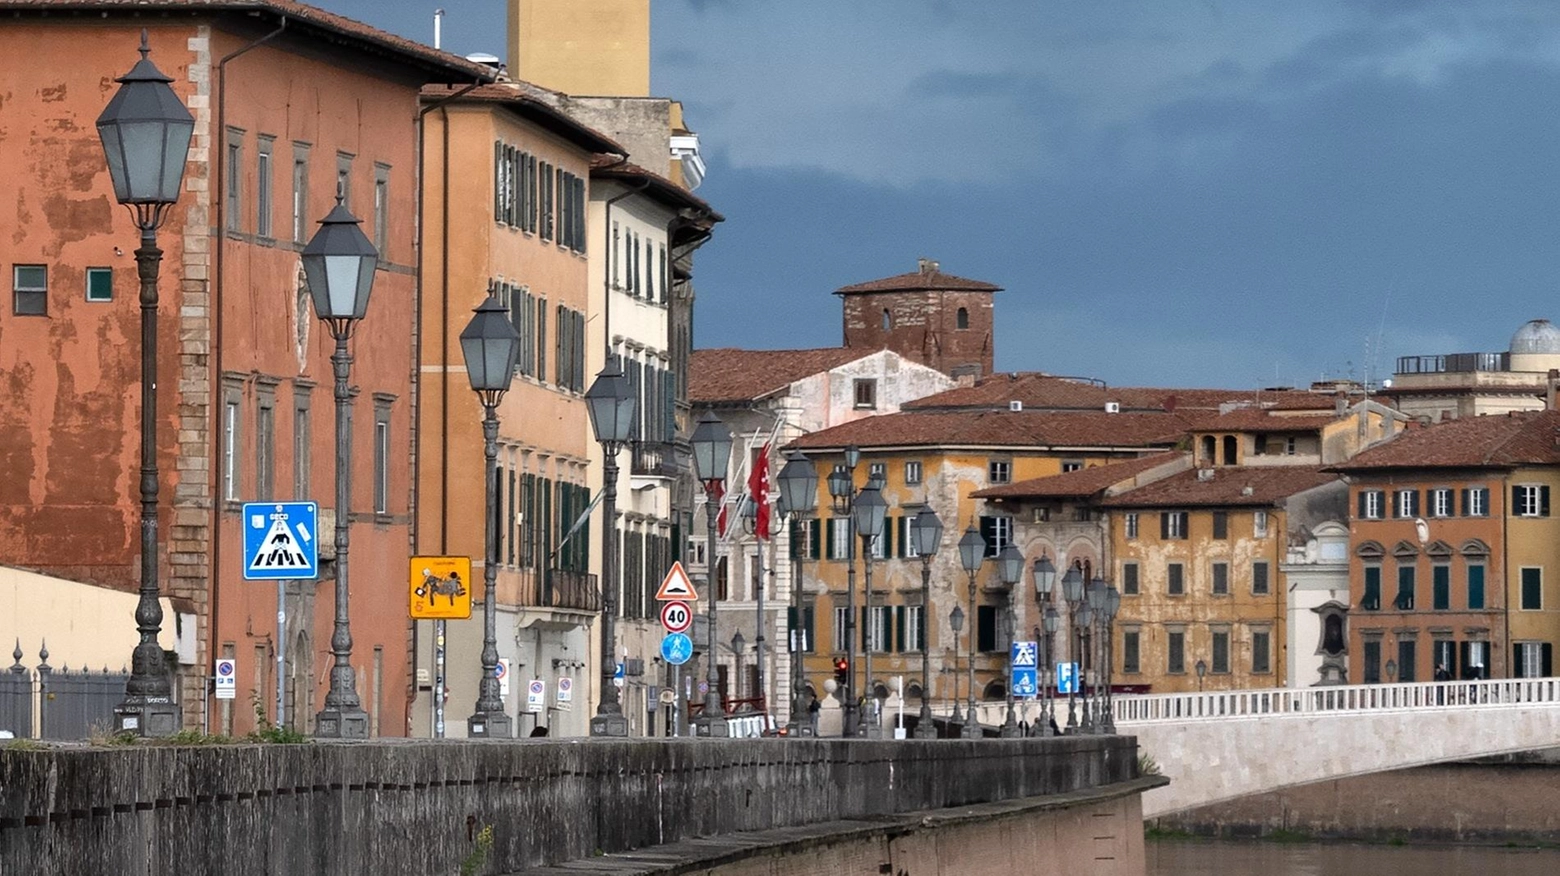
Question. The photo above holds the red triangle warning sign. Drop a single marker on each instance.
(676, 587)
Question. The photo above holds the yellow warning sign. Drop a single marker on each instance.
(440, 588)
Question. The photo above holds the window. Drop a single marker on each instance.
(879, 627)
(1370, 504)
(866, 393)
(1443, 653)
(839, 538)
(877, 471)
(1532, 659)
(544, 174)
(100, 284)
(1532, 589)
(382, 459)
(541, 339)
(1071, 465)
(1474, 658)
(805, 630)
(888, 321)
(1175, 575)
(381, 208)
(1221, 651)
(1259, 578)
(230, 438)
(300, 193)
(1261, 652)
(1176, 651)
(344, 178)
(301, 442)
(1172, 524)
(998, 533)
(999, 471)
(1132, 524)
(235, 179)
(913, 629)
(1259, 524)
(1405, 503)
(913, 472)
(1221, 579)
(841, 642)
(1475, 585)
(1441, 587)
(1405, 593)
(1130, 652)
(1476, 502)
(1221, 524)
(1129, 579)
(962, 318)
(1290, 446)
(265, 448)
(1530, 500)
(1372, 599)
(263, 185)
(1441, 502)
(30, 290)
(1372, 660)
(1407, 658)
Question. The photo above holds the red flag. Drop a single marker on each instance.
(720, 502)
(758, 491)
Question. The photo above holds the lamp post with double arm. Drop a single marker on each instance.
(972, 552)
(1010, 568)
(842, 490)
(955, 623)
(1072, 594)
(145, 130)
(1045, 583)
(610, 403)
(1112, 606)
(798, 499)
(711, 442)
(926, 536)
(869, 512)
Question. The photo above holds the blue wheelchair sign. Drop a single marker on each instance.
(1026, 683)
(281, 541)
(1066, 678)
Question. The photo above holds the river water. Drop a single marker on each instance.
(1197, 858)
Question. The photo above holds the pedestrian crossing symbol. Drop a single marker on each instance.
(281, 541)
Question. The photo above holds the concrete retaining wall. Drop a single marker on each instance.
(412, 808)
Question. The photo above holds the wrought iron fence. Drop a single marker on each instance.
(64, 704)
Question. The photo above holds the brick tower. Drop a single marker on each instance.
(937, 319)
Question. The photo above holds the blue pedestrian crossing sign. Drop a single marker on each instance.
(1066, 678)
(281, 541)
(1026, 683)
(676, 648)
(1024, 655)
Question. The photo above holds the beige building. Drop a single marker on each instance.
(1445, 386)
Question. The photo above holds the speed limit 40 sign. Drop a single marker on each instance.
(677, 617)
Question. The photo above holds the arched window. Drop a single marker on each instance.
(995, 690)
(888, 321)
(1209, 443)
(912, 691)
(1229, 450)
(962, 318)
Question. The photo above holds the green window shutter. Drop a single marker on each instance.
(816, 541)
(829, 531)
(1476, 585)
(1543, 504)
(899, 628)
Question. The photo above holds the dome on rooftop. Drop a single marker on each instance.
(1536, 337)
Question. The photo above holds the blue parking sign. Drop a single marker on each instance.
(1066, 678)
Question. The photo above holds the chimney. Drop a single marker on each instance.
(926, 265)
(1549, 388)
(1340, 403)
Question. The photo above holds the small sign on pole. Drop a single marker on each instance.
(226, 674)
(503, 677)
(676, 586)
(1066, 678)
(440, 588)
(565, 693)
(536, 696)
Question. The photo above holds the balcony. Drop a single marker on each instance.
(1453, 363)
(653, 459)
(575, 590)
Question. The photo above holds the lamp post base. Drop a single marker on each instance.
(609, 725)
(341, 724)
(971, 728)
(147, 720)
(1010, 728)
(926, 727)
(490, 725)
(711, 726)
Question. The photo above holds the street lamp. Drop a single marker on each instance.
(610, 402)
(842, 491)
(1202, 670)
(738, 647)
(926, 537)
(1392, 669)
(145, 130)
(1010, 568)
(1052, 623)
(869, 511)
(1108, 646)
(1072, 594)
(1096, 595)
(1045, 583)
(972, 552)
(711, 442)
(339, 263)
(956, 623)
(490, 346)
(798, 498)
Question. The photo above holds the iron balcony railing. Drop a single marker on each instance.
(566, 589)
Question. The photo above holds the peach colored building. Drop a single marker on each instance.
(289, 102)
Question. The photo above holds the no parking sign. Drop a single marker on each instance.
(503, 677)
(226, 675)
(536, 695)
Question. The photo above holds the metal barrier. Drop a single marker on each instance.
(1357, 698)
(61, 704)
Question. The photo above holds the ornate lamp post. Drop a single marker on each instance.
(798, 498)
(869, 511)
(610, 402)
(339, 263)
(1052, 623)
(842, 490)
(956, 623)
(738, 648)
(711, 442)
(1096, 596)
(926, 535)
(1010, 568)
(972, 552)
(490, 346)
(1112, 605)
(1045, 583)
(1072, 594)
(1202, 670)
(145, 130)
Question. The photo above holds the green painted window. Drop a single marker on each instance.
(1532, 589)
(100, 284)
(1475, 585)
(1441, 587)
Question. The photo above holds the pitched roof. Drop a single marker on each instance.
(728, 374)
(657, 186)
(1231, 486)
(1496, 441)
(920, 281)
(301, 18)
(1014, 429)
(1049, 391)
(1259, 420)
(1082, 482)
(530, 102)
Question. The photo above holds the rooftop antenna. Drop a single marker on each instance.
(438, 28)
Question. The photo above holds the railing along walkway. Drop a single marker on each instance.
(1358, 698)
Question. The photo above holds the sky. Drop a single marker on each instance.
(1170, 192)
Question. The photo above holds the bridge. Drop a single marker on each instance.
(1217, 746)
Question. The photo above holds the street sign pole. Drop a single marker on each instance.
(438, 679)
(281, 653)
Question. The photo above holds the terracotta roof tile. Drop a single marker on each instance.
(660, 187)
(928, 281)
(1258, 420)
(1498, 441)
(1002, 429)
(445, 66)
(1048, 391)
(529, 101)
(1231, 486)
(728, 374)
(1083, 482)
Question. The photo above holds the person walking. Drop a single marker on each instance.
(1441, 674)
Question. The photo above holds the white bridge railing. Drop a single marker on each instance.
(1224, 705)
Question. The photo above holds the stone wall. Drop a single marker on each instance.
(412, 808)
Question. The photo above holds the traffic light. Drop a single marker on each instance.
(841, 669)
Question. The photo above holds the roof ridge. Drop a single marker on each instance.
(1521, 427)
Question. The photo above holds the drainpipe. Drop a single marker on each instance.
(214, 303)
